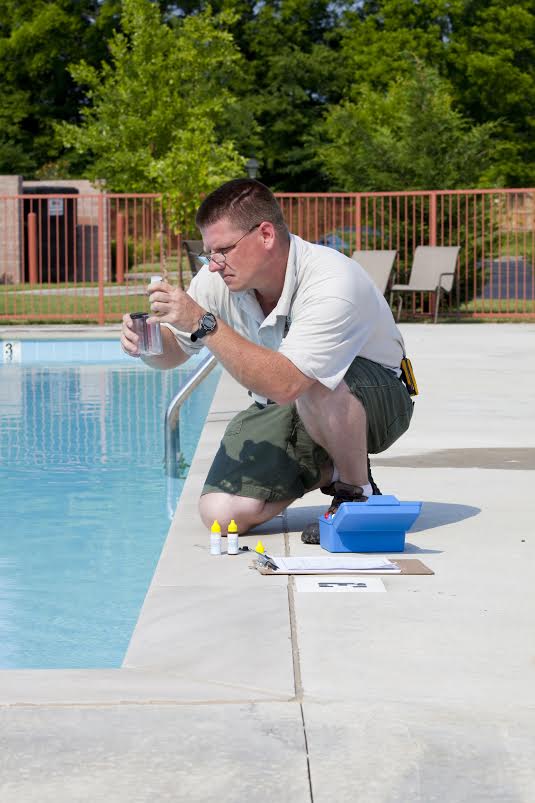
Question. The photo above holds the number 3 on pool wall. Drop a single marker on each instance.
(10, 351)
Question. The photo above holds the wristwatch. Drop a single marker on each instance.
(207, 324)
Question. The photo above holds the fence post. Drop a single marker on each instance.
(433, 218)
(100, 255)
(119, 249)
(358, 223)
(32, 248)
(179, 257)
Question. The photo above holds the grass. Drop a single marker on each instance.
(475, 310)
(502, 306)
(18, 306)
(155, 267)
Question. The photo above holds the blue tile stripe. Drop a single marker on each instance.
(71, 351)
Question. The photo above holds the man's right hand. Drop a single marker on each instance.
(172, 353)
(129, 339)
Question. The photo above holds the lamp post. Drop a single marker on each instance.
(252, 165)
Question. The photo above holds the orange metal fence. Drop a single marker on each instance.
(87, 258)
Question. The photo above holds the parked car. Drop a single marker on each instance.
(345, 239)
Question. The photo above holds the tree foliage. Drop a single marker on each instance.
(492, 68)
(159, 112)
(38, 40)
(406, 138)
(485, 49)
(272, 73)
(291, 47)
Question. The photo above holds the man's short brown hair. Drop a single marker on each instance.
(245, 202)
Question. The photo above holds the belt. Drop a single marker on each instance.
(263, 406)
(260, 405)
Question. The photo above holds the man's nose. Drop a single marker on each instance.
(214, 267)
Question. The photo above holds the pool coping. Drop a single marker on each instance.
(67, 331)
(185, 576)
(140, 680)
(151, 670)
(143, 682)
(258, 693)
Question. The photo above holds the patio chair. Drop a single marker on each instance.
(377, 264)
(433, 271)
(192, 248)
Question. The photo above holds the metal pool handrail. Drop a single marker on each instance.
(172, 430)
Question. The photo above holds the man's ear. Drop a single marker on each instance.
(267, 230)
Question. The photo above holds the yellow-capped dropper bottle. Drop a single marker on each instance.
(215, 538)
(232, 538)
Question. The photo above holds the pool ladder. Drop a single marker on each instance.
(172, 415)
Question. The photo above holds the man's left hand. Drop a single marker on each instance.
(173, 305)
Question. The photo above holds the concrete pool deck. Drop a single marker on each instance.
(237, 687)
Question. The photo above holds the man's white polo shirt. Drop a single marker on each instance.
(330, 310)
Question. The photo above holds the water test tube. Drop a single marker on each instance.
(139, 322)
(154, 332)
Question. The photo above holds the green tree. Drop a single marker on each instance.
(484, 48)
(15, 144)
(38, 39)
(291, 48)
(409, 137)
(377, 35)
(290, 68)
(159, 113)
(492, 67)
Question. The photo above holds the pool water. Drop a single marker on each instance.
(85, 504)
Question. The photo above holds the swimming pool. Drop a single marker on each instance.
(85, 500)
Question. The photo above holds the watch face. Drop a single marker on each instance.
(208, 322)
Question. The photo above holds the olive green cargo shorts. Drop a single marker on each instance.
(266, 453)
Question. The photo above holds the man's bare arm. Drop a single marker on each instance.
(257, 368)
(265, 372)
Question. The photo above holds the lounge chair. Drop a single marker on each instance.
(377, 264)
(192, 249)
(433, 271)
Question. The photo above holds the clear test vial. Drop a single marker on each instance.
(154, 332)
(154, 338)
(139, 323)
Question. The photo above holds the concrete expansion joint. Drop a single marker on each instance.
(298, 685)
(307, 754)
(149, 703)
(298, 682)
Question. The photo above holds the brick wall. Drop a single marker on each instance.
(87, 211)
(10, 229)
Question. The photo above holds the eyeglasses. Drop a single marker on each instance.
(220, 257)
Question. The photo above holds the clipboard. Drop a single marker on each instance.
(406, 566)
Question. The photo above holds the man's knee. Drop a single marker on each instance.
(221, 506)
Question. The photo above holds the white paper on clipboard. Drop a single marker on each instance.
(331, 564)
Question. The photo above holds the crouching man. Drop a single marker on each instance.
(306, 331)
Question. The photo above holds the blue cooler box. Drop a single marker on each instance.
(378, 525)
